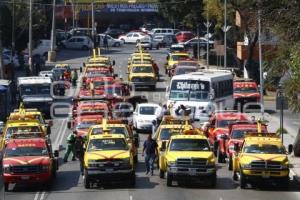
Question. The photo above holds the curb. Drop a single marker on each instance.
(294, 176)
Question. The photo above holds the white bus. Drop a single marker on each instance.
(203, 92)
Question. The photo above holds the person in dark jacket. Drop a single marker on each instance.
(79, 151)
(150, 148)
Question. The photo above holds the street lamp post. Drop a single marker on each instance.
(261, 77)
(30, 39)
(52, 53)
(207, 24)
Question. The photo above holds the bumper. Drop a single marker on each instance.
(27, 178)
(191, 172)
(144, 84)
(116, 175)
(261, 174)
(146, 127)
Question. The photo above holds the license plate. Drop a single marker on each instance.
(109, 170)
(193, 171)
(266, 174)
(25, 177)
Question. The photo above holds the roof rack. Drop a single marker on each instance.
(25, 135)
(256, 134)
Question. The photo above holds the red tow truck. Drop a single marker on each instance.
(245, 91)
(237, 131)
(29, 161)
(217, 130)
(82, 123)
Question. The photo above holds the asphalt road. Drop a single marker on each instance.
(69, 184)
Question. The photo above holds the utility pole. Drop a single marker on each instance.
(52, 53)
(13, 32)
(207, 24)
(73, 13)
(260, 64)
(30, 39)
(198, 44)
(225, 34)
(93, 24)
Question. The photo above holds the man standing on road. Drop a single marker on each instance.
(150, 148)
(74, 77)
(70, 146)
(79, 151)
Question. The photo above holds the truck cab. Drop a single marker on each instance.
(142, 75)
(35, 92)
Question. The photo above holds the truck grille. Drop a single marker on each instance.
(26, 169)
(191, 162)
(142, 79)
(107, 163)
(263, 165)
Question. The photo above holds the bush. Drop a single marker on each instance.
(297, 145)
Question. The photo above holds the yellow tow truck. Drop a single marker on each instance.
(262, 158)
(173, 59)
(142, 75)
(188, 157)
(118, 127)
(108, 158)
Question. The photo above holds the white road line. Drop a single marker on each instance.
(58, 132)
(63, 134)
(36, 196)
(43, 195)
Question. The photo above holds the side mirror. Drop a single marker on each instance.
(290, 148)
(114, 63)
(56, 153)
(69, 125)
(50, 123)
(236, 147)
(163, 146)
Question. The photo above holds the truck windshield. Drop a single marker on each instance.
(147, 110)
(264, 149)
(26, 151)
(21, 130)
(113, 130)
(142, 70)
(166, 133)
(189, 145)
(35, 89)
(107, 144)
(189, 90)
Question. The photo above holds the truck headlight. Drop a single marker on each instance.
(246, 166)
(45, 168)
(171, 163)
(7, 169)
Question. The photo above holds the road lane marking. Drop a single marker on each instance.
(36, 196)
(43, 195)
(62, 135)
(57, 136)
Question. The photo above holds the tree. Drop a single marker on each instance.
(187, 13)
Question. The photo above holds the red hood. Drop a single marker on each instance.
(236, 95)
(27, 160)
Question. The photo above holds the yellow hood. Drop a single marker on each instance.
(142, 75)
(104, 155)
(172, 156)
(247, 157)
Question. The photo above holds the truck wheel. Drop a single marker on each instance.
(132, 180)
(230, 163)
(153, 87)
(87, 183)
(220, 156)
(242, 180)
(213, 181)
(234, 176)
(6, 187)
(169, 180)
(135, 159)
(161, 174)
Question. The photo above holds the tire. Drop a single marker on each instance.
(137, 41)
(123, 41)
(169, 180)
(213, 181)
(234, 176)
(230, 164)
(153, 87)
(132, 180)
(242, 180)
(117, 44)
(135, 159)
(220, 156)
(161, 174)
(85, 47)
(86, 182)
(6, 187)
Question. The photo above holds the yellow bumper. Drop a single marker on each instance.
(266, 174)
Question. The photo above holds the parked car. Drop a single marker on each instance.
(132, 37)
(114, 32)
(149, 43)
(164, 31)
(60, 36)
(40, 49)
(184, 36)
(112, 42)
(78, 42)
(202, 42)
(144, 116)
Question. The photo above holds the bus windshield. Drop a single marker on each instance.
(35, 89)
(189, 90)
